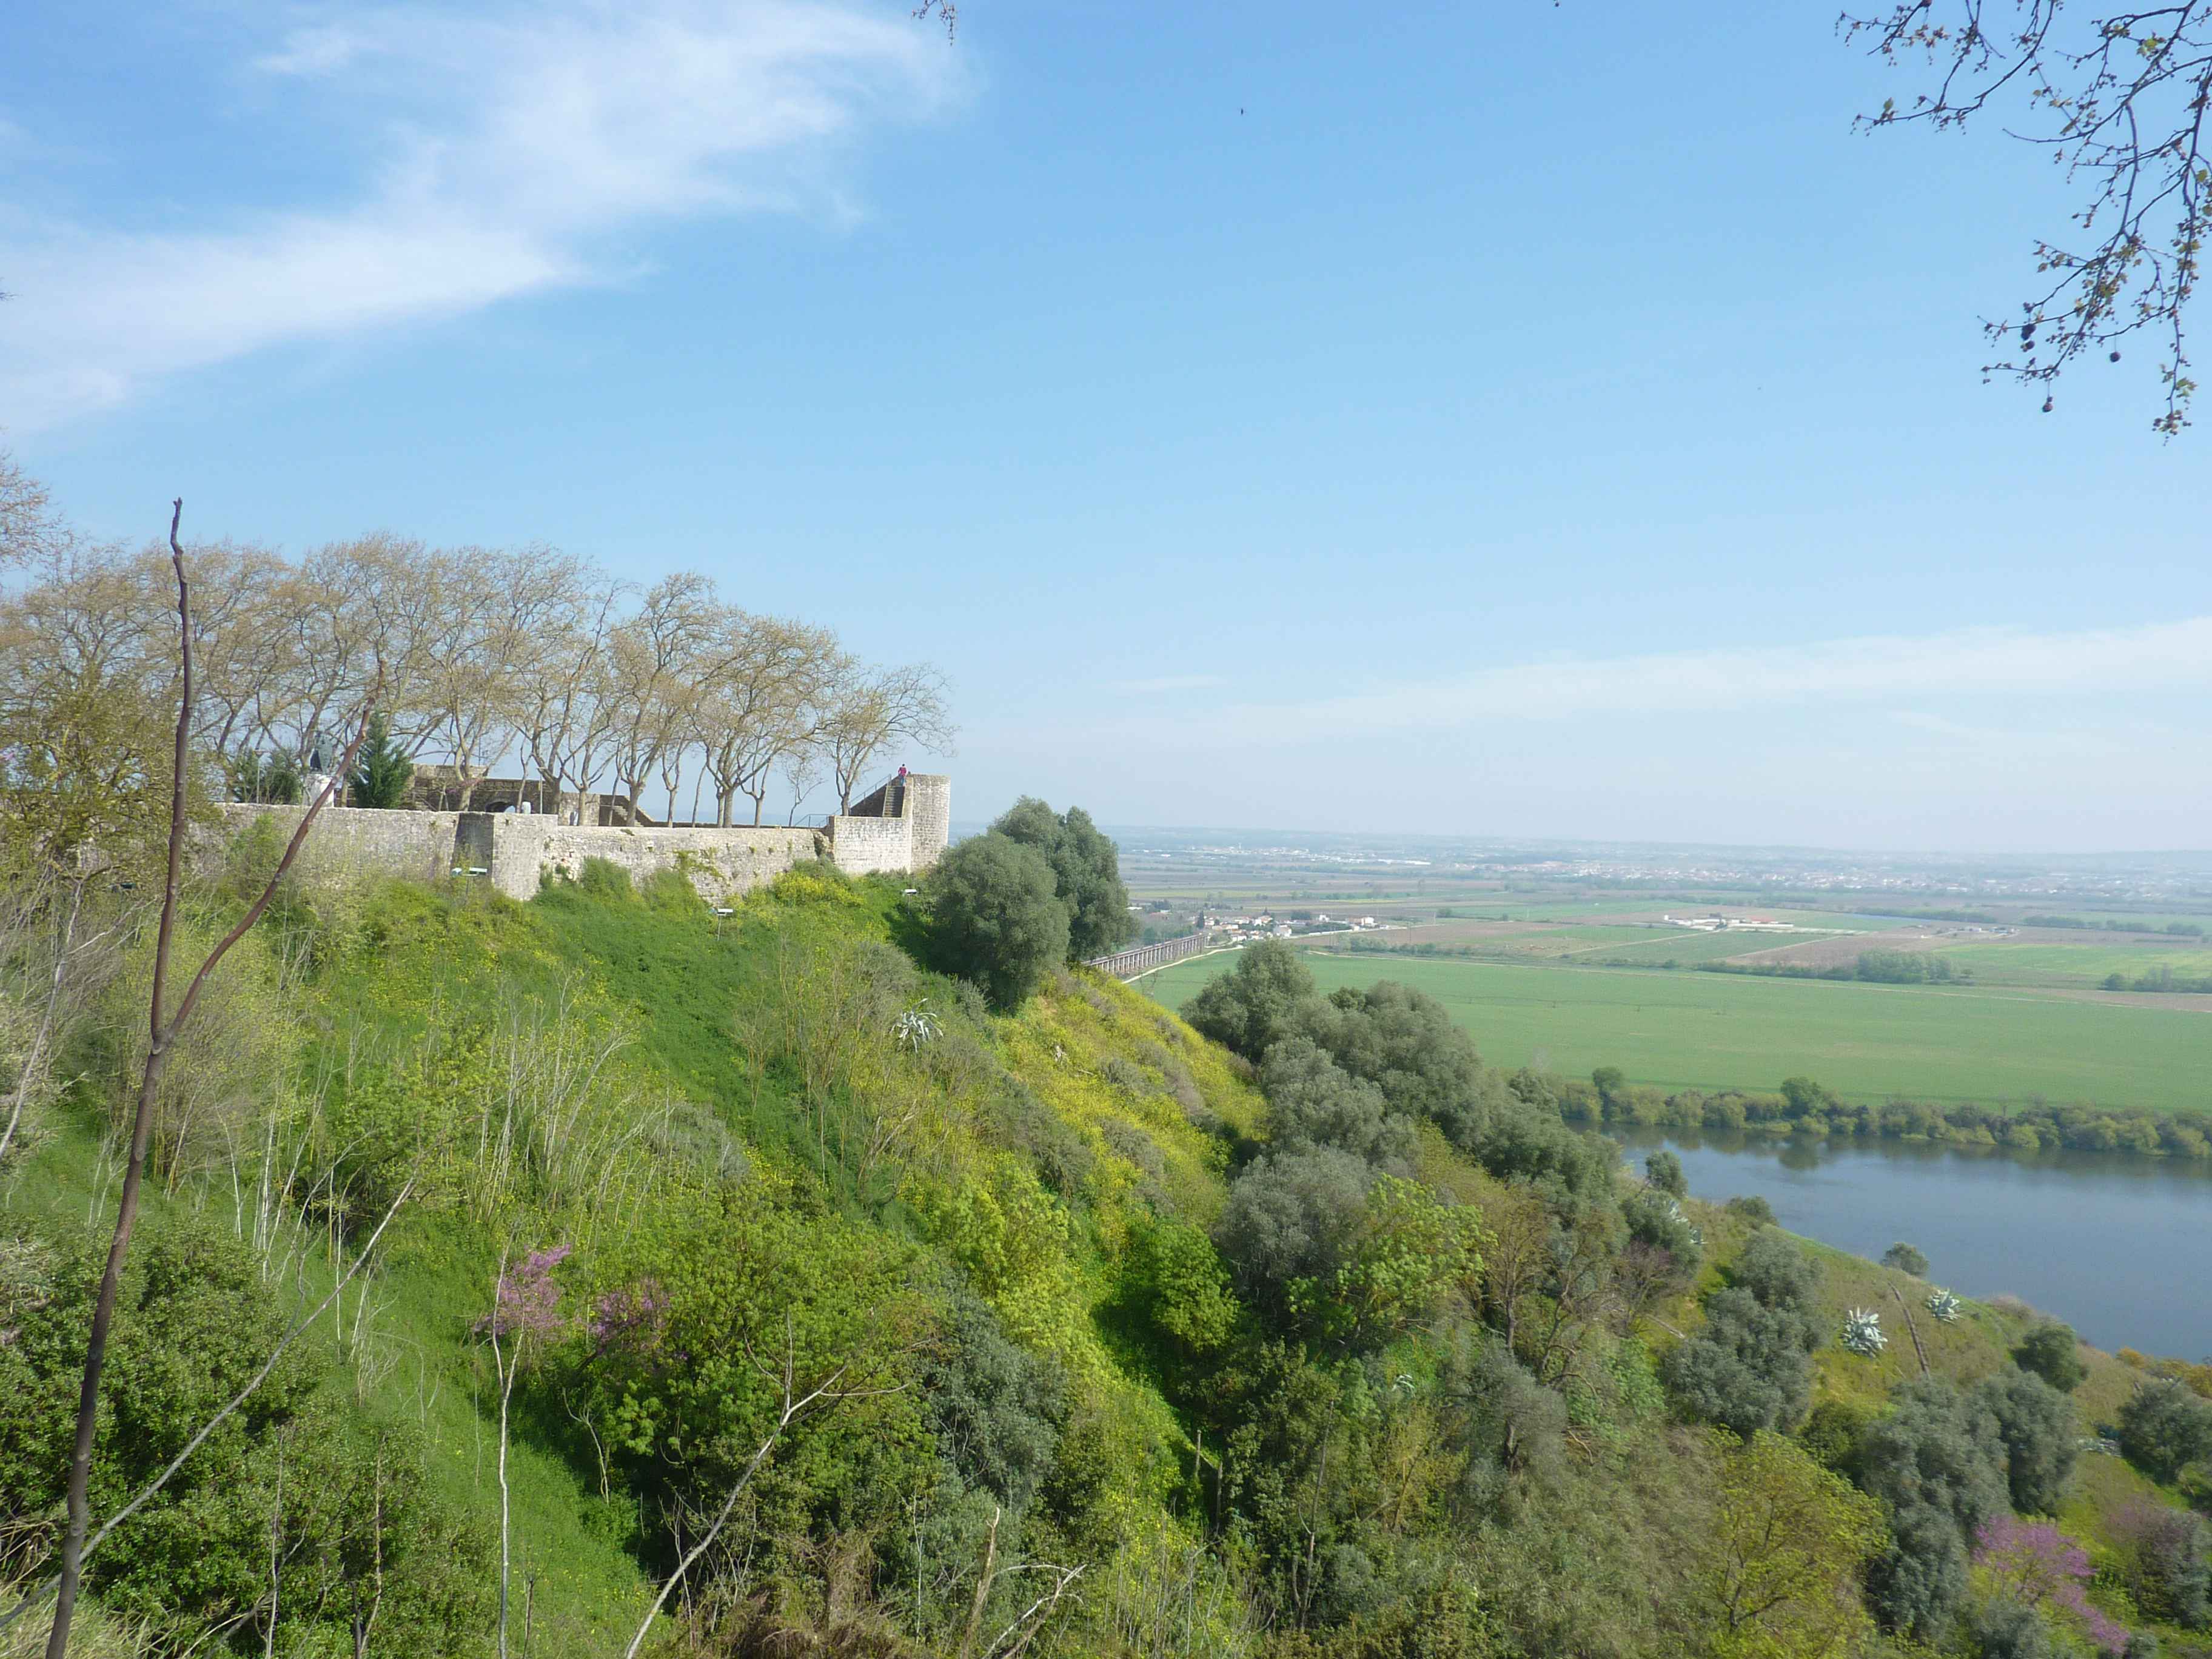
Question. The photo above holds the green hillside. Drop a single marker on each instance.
(1345, 1345)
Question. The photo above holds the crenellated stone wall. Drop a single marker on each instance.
(515, 851)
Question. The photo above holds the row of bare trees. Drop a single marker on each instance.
(483, 659)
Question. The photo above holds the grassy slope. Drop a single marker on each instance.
(1721, 1031)
(680, 975)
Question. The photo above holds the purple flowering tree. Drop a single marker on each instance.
(525, 1303)
(2040, 1566)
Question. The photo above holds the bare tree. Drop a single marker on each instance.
(763, 680)
(2118, 98)
(29, 528)
(567, 715)
(873, 710)
(164, 1025)
(652, 659)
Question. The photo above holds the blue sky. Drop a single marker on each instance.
(1517, 419)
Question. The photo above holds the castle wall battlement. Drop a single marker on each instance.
(516, 851)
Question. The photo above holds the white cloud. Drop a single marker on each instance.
(2161, 657)
(513, 147)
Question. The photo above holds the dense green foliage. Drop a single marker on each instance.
(1338, 1345)
(2165, 1427)
(1248, 1009)
(1906, 1259)
(2051, 1352)
(1086, 869)
(295, 1471)
(995, 917)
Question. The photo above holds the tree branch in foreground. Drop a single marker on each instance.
(164, 1036)
(2120, 101)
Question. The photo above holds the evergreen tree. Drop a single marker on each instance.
(381, 772)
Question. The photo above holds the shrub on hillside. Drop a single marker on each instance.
(1906, 1259)
(2036, 1423)
(996, 1409)
(1406, 1044)
(2051, 1352)
(2164, 1559)
(2004, 1628)
(1512, 1429)
(1915, 1586)
(1313, 1101)
(1777, 1273)
(995, 917)
(1938, 1447)
(1520, 1142)
(1663, 1170)
(1248, 1008)
(193, 1324)
(1755, 1210)
(1657, 1222)
(2165, 1427)
(1291, 1215)
(1087, 874)
(1748, 1369)
(1175, 1278)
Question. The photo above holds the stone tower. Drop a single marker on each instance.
(928, 815)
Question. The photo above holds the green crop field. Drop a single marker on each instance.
(2050, 962)
(1720, 1030)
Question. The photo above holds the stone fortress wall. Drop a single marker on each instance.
(907, 831)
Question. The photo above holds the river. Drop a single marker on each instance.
(2118, 1247)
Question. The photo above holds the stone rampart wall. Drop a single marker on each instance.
(719, 862)
(515, 850)
(349, 840)
(871, 845)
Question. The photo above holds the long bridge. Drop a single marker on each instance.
(1143, 958)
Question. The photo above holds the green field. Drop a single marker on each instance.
(1720, 1030)
(2032, 963)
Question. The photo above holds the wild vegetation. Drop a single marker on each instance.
(841, 1270)
(1328, 1340)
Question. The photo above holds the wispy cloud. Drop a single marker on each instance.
(515, 147)
(2155, 658)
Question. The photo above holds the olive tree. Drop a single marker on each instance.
(1086, 871)
(994, 917)
(1748, 1370)
(2036, 1423)
(2052, 1353)
(1249, 1007)
(2165, 1427)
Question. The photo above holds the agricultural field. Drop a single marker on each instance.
(1978, 1043)
(2047, 959)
